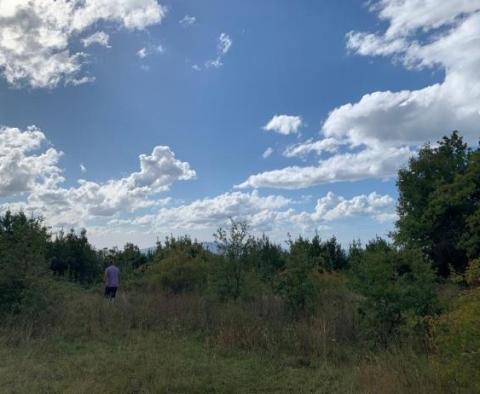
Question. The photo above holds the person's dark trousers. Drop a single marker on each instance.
(110, 292)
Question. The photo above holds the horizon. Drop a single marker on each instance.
(149, 118)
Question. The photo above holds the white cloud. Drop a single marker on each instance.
(21, 170)
(39, 177)
(33, 182)
(333, 207)
(187, 20)
(152, 49)
(100, 37)
(142, 53)
(380, 131)
(268, 152)
(449, 30)
(211, 212)
(330, 145)
(272, 214)
(369, 163)
(36, 35)
(284, 124)
(223, 46)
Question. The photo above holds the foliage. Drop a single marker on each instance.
(179, 266)
(23, 243)
(73, 257)
(297, 284)
(267, 258)
(234, 245)
(397, 286)
(456, 337)
(472, 273)
(439, 195)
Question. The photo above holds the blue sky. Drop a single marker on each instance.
(371, 81)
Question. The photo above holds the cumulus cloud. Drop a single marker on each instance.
(284, 124)
(100, 37)
(449, 30)
(272, 214)
(187, 20)
(21, 169)
(333, 207)
(378, 133)
(39, 177)
(36, 35)
(369, 163)
(32, 179)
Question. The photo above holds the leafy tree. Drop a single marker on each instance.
(23, 245)
(130, 258)
(180, 265)
(433, 207)
(297, 284)
(74, 257)
(267, 258)
(397, 286)
(234, 245)
(320, 255)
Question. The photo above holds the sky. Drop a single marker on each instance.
(137, 119)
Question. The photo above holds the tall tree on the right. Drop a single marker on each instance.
(439, 202)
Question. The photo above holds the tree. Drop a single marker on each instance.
(397, 286)
(297, 284)
(179, 266)
(432, 210)
(267, 258)
(74, 257)
(23, 243)
(234, 245)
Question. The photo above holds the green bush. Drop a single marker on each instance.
(181, 265)
(398, 289)
(298, 286)
(472, 273)
(456, 337)
(175, 274)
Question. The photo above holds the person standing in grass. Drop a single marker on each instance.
(112, 280)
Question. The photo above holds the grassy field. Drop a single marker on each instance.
(98, 347)
(158, 362)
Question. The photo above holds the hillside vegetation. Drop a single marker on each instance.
(398, 315)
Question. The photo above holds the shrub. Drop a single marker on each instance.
(177, 275)
(456, 337)
(297, 284)
(472, 273)
(397, 286)
(179, 266)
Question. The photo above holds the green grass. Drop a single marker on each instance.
(151, 362)
(149, 343)
(161, 362)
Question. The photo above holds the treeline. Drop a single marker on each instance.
(397, 287)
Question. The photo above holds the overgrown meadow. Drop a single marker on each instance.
(390, 315)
